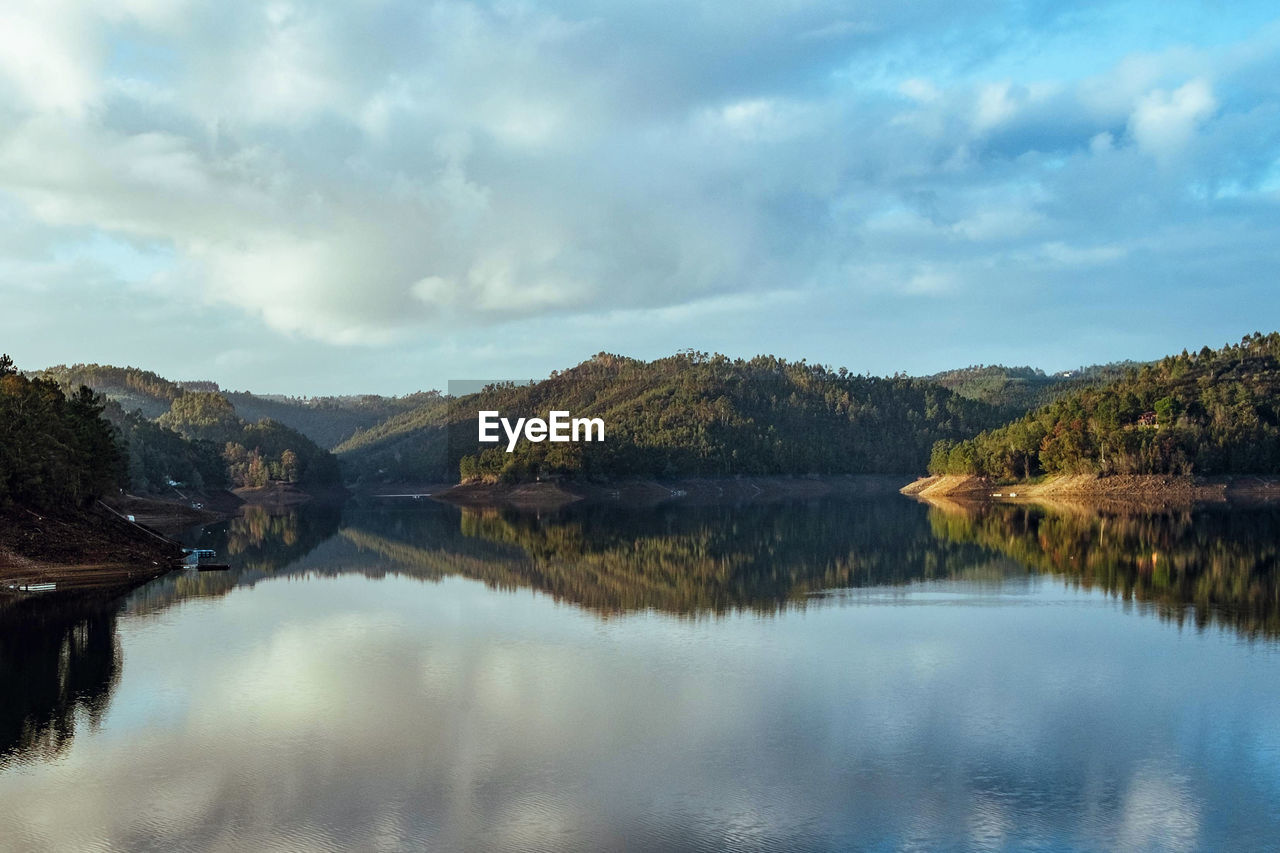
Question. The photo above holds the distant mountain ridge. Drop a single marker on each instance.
(327, 421)
(186, 433)
(1019, 389)
(132, 387)
(692, 414)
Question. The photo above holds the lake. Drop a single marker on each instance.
(835, 674)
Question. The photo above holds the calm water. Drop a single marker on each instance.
(833, 675)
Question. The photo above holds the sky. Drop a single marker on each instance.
(384, 195)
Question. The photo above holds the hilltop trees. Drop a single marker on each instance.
(692, 414)
(197, 438)
(202, 415)
(257, 453)
(54, 449)
(1214, 412)
(157, 454)
(132, 387)
(1015, 390)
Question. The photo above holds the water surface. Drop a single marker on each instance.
(826, 675)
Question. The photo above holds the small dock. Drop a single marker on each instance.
(198, 559)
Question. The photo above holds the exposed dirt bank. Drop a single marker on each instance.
(79, 550)
(170, 515)
(1145, 489)
(949, 486)
(279, 495)
(549, 495)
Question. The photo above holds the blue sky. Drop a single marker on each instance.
(381, 196)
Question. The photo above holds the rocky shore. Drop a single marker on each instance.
(1142, 488)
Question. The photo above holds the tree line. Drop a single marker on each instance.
(1211, 412)
(63, 446)
(691, 414)
(254, 453)
(55, 449)
(192, 433)
(1016, 390)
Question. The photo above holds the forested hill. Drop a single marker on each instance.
(1017, 390)
(131, 387)
(692, 414)
(1212, 412)
(255, 453)
(55, 450)
(168, 433)
(327, 421)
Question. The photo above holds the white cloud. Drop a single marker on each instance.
(367, 173)
(1163, 122)
(919, 89)
(994, 106)
(47, 54)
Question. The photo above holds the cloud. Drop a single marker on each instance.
(393, 171)
(46, 53)
(1163, 122)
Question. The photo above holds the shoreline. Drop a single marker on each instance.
(90, 550)
(1142, 489)
(284, 495)
(118, 542)
(651, 491)
(168, 515)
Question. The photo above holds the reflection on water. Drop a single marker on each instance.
(681, 560)
(1210, 565)
(825, 675)
(258, 543)
(59, 662)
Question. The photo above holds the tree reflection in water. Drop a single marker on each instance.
(685, 560)
(59, 664)
(1204, 566)
(1198, 566)
(60, 661)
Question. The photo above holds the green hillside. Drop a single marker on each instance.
(255, 453)
(1214, 412)
(168, 431)
(55, 449)
(691, 414)
(131, 387)
(155, 455)
(328, 421)
(1020, 389)
(144, 455)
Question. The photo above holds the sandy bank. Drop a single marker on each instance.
(1143, 488)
